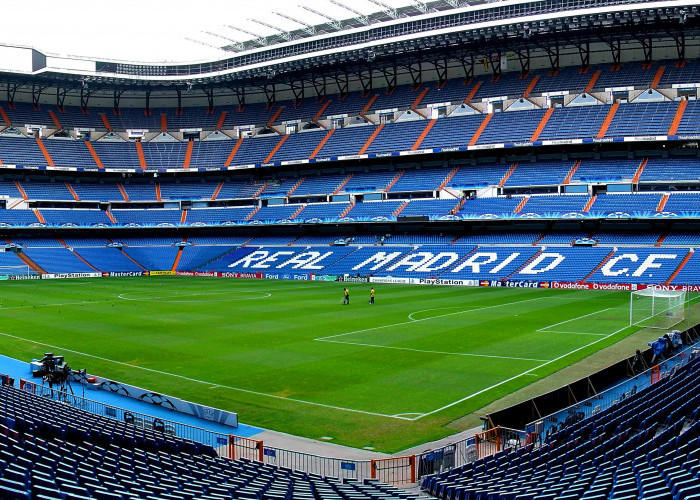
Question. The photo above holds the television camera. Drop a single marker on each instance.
(53, 370)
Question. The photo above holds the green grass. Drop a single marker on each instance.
(288, 356)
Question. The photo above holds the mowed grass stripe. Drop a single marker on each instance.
(267, 346)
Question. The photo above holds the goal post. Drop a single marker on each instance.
(652, 308)
(22, 270)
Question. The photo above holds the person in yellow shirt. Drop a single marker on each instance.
(346, 297)
(371, 295)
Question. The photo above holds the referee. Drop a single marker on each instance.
(371, 295)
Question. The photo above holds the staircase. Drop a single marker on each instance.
(608, 120)
(448, 178)
(571, 173)
(217, 190)
(93, 153)
(252, 214)
(142, 157)
(542, 125)
(275, 116)
(657, 77)
(234, 150)
(39, 217)
(662, 203)
(347, 210)
(400, 209)
(276, 148)
(369, 142)
(47, 156)
(508, 174)
(531, 86)
(188, 155)
(678, 117)
(527, 262)
(590, 203)
(123, 192)
(680, 266)
(30, 263)
(260, 191)
(78, 256)
(21, 191)
(72, 191)
(296, 214)
(323, 142)
(481, 129)
(222, 119)
(602, 263)
(105, 121)
(423, 134)
(473, 92)
(639, 171)
(393, 181)
(661, 239)
(521, 205)
(342, 184)
(296, 186)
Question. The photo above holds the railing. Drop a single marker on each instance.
(177, 429)
(401, 471)
(240, 447)
(395, 470)
(492, 441)
(469, 450)
(314, 464)
(609, 397)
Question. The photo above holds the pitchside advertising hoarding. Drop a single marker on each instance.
(430, 281)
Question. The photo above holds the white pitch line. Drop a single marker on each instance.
(430, 318)
(170, 298)
(410, 316)
(432, 352)
(574, 319)
(516, 376)
(204, 382)
(32, 306)
(572, 333)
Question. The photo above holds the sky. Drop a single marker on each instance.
(159, 30)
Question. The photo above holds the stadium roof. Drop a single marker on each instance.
(183, 31)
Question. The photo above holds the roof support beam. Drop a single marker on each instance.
(11, 91)
(584, 52)
(84, 98)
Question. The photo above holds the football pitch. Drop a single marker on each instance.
(288, 356)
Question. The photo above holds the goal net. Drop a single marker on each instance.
(15, 270)
(657, 309)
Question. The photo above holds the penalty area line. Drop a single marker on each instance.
(432, 352)
(545, 328)
(204, 382)
(430, 318)
(527, 372)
